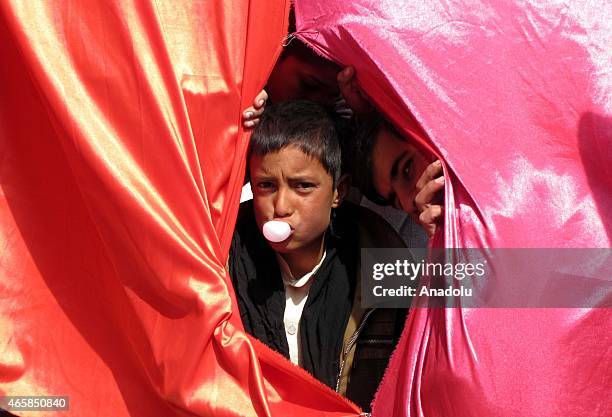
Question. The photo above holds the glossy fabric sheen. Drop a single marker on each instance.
(121, 165)
(516, 98)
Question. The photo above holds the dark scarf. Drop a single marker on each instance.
(261, 296)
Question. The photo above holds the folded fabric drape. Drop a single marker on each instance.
(121, 164)
(516, 98)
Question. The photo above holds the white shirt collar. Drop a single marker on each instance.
(288, 278)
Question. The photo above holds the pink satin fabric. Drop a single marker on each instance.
(515, 97)
(122, 161)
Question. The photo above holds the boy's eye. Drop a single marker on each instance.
(265, 185)
(304, 185)
(407, 169)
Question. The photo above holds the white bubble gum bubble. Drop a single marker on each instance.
(276, 231)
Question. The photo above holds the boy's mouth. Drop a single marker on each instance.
(277, 231)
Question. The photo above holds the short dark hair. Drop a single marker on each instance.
(300, 123)
(363, 146)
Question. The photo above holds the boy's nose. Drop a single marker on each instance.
(282, 204)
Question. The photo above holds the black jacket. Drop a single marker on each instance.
(261, 296)
(326, 341)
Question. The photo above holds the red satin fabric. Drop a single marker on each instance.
(515, 97)
(122, 160)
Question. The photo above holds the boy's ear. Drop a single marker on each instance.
(342, 189)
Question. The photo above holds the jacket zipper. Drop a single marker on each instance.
(351, 343)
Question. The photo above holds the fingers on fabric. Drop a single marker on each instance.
(430, 218)
(351, 92)
(252, 114)
(345, 75)
(346, 84)
(260, 100)
(429, 187)
(250, 123)
(432, 171)
(428, 193)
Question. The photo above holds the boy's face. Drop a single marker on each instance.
(292, 187)
(397, 165)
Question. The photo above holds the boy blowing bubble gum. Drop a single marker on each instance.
(295, 294)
